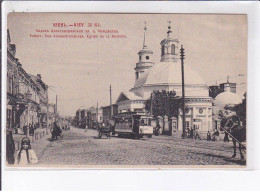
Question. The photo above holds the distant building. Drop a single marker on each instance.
(228, 87)
(107, 112)
(214, 90)
(227, 97)
(42, 93)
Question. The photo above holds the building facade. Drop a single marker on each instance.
(12, 84)
(27, 95)
(166, 75)
(106, 111)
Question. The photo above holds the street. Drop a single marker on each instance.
(84, 148)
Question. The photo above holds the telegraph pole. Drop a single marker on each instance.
(183, 92)
(151, 111)
(56, 108)
(97, 111)
(111, 108)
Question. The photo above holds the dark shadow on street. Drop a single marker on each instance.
(233, 160)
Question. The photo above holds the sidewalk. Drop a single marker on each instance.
(38, 142)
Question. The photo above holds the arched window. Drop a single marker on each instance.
(137, 75)
(162, 50)
(173, 49)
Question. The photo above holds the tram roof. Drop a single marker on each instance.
(130, 114)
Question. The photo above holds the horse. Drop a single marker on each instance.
(236, 131)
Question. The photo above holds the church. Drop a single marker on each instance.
(166, 75)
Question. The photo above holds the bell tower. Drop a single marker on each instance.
(169, 47)
(145, 58)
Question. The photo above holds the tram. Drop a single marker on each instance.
(133, 125)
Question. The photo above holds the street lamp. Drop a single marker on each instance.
(28, 97)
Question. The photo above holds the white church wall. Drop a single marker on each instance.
(190, 91)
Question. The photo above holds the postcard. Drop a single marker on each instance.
(126, 90)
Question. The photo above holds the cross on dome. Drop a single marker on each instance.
(169, 27)
(145, 28)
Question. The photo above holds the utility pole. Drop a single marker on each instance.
(183, 93)
(111, 108)
(151, 111)
(97, 111)
(56, 108)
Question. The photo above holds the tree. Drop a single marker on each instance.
(240, 110)
(163, 103)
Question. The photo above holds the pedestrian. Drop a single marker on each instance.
(26, 155)
(216, 135)
(10, 147)
(188, 132)
(191, 133)
(197, 136)
(157, 129)
(31, 129)
(208, 136)
(25, 128)
(54, 131)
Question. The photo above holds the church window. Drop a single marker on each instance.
(140, 57)
(147, 57)
(162, 49)
(137, 75)
(173, 49)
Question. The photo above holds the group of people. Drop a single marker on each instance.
(24, 156)
(32, 128)
(193, 133)
(214, 136)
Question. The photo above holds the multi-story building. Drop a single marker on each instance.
(12, 84)
(42, 94)
(27, 95)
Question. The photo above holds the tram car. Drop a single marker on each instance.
(134, 125)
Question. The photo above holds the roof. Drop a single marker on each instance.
(169, 73)
(123, 96)
(227, 98)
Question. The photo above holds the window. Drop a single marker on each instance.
(162, 49)
(137, 75)
(147, 57)
(173, 49)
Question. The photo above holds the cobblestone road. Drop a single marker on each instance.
(83, 148)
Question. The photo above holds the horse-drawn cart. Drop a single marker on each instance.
(232, 126)
(104, 131)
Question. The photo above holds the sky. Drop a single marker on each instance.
(80, 71)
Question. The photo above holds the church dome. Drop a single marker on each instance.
(169, 73)
(227, 98)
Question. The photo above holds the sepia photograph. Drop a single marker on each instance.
(121, 90)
